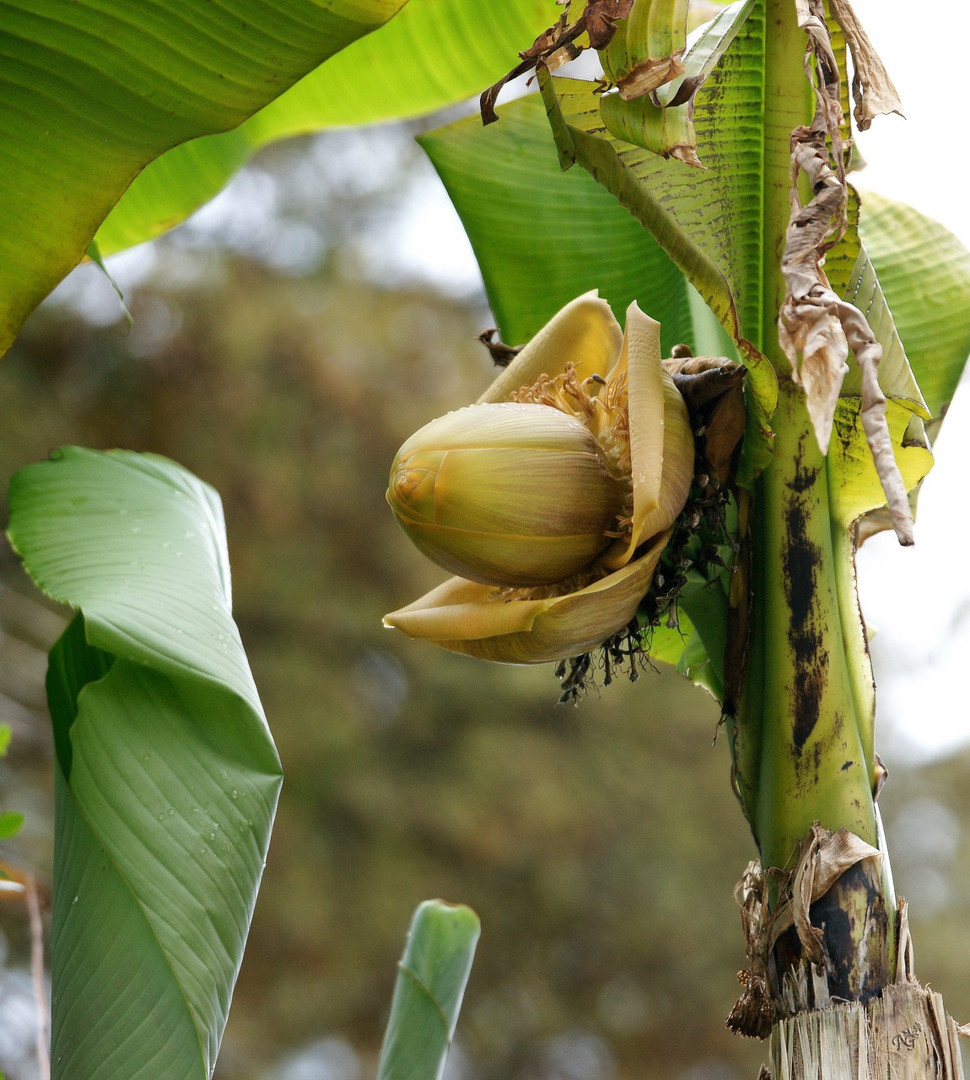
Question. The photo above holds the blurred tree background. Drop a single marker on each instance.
(283, 345)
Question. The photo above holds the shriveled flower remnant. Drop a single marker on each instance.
(552, 497)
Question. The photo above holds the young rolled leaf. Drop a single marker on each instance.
(665, 131)
(430, 985)
(662, 121)
(166, 773)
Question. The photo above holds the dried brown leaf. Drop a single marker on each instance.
(814, 322)
(553, 47)
(701, 379)
(868, 353)
(872, 89)
(601, 17)
(802, 890)
(651, 73)
(905, 963)
(811, 327)
(713, 388)
(823, 858)
(557, 45)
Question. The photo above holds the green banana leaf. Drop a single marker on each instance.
(166, 773)
(430, 984)
(543, 236)
(431, 55)
(90, 93)
(712, 223)
(708, 221)
(924, 271)
(521, 222)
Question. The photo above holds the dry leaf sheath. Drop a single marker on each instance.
(817, 328)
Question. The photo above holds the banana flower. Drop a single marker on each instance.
(552, 497)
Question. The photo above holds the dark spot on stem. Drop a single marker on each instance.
(803, 479)
(800, 560)
(855, 926)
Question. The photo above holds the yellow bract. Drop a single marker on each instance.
(506, 493)
(553, 497)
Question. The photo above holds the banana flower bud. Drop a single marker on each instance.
(552, 497)
(506, 494)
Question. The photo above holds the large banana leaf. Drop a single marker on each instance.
(543, 236)
(924, 271)
(431, 55)
(166, 773)
(707, 221)
(91, 91)
(712, 223)
(538, 234)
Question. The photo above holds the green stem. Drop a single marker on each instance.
(807, 706)
(788, 103)
(813, 761)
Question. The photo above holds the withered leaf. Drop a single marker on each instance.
(701, 379)
(872, 89)
(600, 17)
(814, 322)
(557, 45)
(553, 46)
(712, 386)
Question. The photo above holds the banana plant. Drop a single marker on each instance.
(702, 188)
(747, 216)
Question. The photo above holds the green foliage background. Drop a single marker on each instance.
(599, 845)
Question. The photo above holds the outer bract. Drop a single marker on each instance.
(615, 385)
(506, 493)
